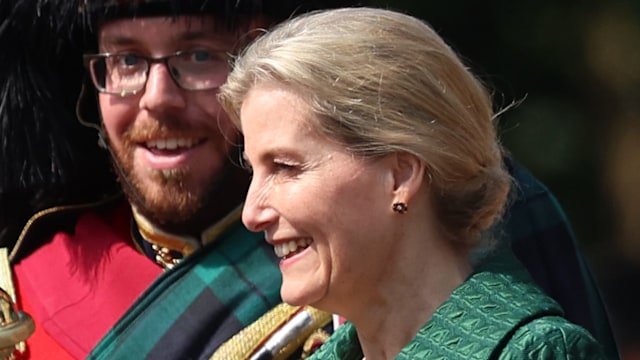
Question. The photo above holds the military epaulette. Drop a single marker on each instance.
(48, 221)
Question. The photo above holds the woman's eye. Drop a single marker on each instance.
(284, 166)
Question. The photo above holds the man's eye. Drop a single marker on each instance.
(201, 55)
(208, 56)
(129, 60)
(125, 64)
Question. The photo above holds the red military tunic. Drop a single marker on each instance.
(77, 285)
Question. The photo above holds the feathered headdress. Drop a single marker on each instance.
(46, 157)
(95, 11)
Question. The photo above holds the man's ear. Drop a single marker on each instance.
(408, 176)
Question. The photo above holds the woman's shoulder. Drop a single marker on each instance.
(552, 337)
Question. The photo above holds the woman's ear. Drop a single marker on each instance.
(408, 176)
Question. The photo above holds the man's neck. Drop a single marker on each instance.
(166, 248)
(228, 193)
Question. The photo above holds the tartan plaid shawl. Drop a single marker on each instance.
(192, 309)
(542, 238)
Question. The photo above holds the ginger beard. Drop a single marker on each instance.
(166, 196)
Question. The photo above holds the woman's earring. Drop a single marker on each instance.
(400, 207)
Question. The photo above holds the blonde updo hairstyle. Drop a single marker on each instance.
(382, 82)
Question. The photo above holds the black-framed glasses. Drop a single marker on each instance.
(127, 74)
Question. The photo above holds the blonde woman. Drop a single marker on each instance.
(376, 176)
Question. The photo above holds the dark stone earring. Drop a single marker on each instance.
(400, 207)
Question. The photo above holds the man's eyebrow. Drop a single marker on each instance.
(118, 39)
(126, 39)
(211, 36)
(193, 35)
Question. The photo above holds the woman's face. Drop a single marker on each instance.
(326, 212)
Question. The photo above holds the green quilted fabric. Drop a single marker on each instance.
(496, 314)
(551, 337)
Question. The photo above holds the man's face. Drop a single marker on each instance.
(172, 144)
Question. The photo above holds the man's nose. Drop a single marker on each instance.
(161, 91)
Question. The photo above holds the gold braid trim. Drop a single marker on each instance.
(15, 326)
(163, 242)
(43, 214)
(252, 338)
(183, 244)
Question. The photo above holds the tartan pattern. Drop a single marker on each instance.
(193, 308)
(540, 235)
(479, 319)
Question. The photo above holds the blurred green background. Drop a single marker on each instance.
(574, 67)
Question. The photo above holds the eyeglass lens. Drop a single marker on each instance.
(127, 73)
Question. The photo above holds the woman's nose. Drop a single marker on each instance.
(258, 214)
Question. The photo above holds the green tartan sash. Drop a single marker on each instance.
(199, 304)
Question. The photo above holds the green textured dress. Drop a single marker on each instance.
(498, 313)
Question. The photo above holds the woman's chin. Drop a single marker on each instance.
(293, 299)
(297, 296)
